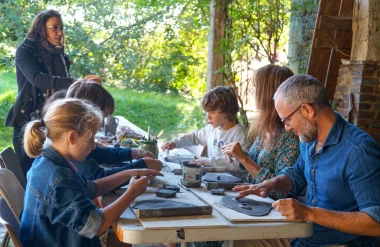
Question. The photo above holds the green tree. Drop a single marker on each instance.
(141, 45)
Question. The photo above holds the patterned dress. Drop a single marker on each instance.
(283, 153)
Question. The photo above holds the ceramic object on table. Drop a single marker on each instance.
(110, 125)
(192, 175)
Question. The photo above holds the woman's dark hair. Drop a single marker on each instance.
(61, 94)
(94, 92)
(37, 28)
(222, 99)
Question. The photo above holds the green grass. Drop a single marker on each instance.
(174, 114)
(8, 91)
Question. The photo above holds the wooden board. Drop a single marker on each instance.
(233, 215)
(178, 222)
(184, 221)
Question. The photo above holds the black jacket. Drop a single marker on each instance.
(33, 82)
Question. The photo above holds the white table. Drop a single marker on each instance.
(130, 230)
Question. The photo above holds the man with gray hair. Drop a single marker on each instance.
(339, 166)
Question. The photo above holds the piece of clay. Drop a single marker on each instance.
(219, 192)
(246, 206)
(171, 187)
(165, 193)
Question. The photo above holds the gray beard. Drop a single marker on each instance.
(310, 130)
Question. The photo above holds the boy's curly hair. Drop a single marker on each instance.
(223, 99)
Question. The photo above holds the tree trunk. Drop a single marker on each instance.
(218, 10)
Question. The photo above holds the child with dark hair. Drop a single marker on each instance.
(96, 94)
(222, 107)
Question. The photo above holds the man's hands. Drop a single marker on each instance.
(261, 189)
(168, 145)
(137, 153)
(292, 209)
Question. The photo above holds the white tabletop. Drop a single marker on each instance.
(130, 230)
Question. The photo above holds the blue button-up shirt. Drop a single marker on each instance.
(57, 206)
(344, 175)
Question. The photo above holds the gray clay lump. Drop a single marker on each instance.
(165, 193)
(171, 187)
(246, 206)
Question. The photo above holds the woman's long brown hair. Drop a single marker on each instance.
(266, 81)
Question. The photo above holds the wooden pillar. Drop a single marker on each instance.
(218, 10)
(366, 31)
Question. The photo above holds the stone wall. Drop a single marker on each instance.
(358, 94)
(301, 31)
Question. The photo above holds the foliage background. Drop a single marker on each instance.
(142, 48)
(174, 114)
(141, 45)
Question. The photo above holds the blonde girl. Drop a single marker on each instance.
(57, 204)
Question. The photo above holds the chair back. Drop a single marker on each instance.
(7, 216)
(12, 163)
(12, 191)
(15, 240)
(1, 163)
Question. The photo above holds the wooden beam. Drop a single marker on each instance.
(335, 23)
(338, 43)
(365, 41)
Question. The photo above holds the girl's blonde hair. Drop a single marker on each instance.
(61, 116)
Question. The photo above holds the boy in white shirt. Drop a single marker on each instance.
(223, 127)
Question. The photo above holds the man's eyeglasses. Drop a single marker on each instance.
(55, 28)
(287, 120)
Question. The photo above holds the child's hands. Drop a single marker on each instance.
(153, 164)
(168, 145)
(200, 162)
(138, 153)
(137, 186)
(145, 172)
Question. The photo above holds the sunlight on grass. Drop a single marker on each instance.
(174, 114)
(8, 89)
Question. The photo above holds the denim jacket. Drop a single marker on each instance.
(344, 175)
(57, 206)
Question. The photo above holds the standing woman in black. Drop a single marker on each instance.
(42, 67)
